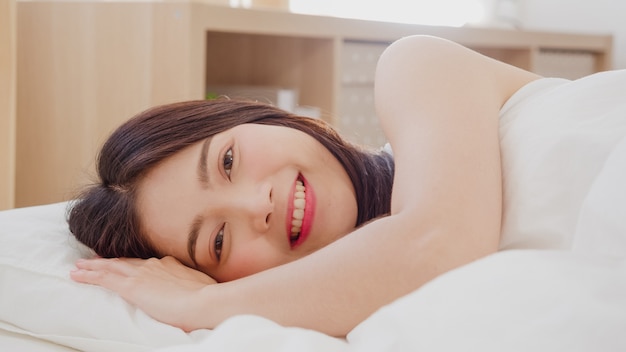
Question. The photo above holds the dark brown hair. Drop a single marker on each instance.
(104, 217)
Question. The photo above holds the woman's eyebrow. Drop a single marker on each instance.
(203, 167)
(192, 238)
(203, 177)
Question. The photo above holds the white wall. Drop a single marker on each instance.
(586, 16)
(578, 16)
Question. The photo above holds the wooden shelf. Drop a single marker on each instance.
(325, 37)
(7, 103)
(302, 63)
(84, 67)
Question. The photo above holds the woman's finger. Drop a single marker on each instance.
(96, 277)
(124, 266)
(110, 262)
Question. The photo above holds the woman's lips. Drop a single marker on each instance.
(298, 218)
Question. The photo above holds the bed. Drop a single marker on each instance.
(558, 283)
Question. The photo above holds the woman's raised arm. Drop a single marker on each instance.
(438, 104)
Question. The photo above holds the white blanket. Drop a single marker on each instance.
(559, 283)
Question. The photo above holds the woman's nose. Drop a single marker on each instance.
(255, 203)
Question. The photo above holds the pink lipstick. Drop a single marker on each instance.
(299, 218)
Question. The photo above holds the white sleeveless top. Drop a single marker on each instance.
(564, 165)
(563, 150)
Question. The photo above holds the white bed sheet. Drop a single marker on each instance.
(565, 197)
(513, 301)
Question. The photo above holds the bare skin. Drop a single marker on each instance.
(438, 104)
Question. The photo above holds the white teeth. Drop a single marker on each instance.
(298, 214)
(299, 204)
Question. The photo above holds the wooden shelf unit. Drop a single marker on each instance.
(8, 58)
(84, 67)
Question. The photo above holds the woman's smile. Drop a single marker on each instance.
(300, 211)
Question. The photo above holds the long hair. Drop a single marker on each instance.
(104, 217)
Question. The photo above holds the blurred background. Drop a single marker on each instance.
(589, 16)
(71, 71)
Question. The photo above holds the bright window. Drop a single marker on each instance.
(428, 12)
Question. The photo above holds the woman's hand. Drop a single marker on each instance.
(164, 288)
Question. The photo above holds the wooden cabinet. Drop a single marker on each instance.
(84, 67)
(7, 104)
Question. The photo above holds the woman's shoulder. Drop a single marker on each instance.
(422, 77)
(441, 61)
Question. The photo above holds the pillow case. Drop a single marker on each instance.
(37, 297)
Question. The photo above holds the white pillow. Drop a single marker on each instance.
(37, 297)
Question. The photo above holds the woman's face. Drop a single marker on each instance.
(247, 199)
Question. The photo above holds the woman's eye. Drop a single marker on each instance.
(217, 246)
(227, 162)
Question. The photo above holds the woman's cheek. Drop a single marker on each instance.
(251, 260)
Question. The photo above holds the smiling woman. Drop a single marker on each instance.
(233, 193)
(212, 184)
(303, 228)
